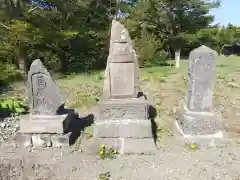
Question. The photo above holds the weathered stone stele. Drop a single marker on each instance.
(121, 74)
(122, 119)
(45, 96)
(202, 74)
(196, 116)
(45, 100)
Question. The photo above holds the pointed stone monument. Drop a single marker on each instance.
(196, 118)
(47, 114)
(122, 119)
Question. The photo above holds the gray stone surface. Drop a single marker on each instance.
(41, 140)
(119, 34)
(48, 116)
(123, 145)
(196, 115)
(122, 58)
(122, 122)
(59, 141)
(121, 114)
(42, 123)
(11, 169)
(202, 73)
(123, 109)
(123, 129)
(44, 94)
(122, 80)
(24, 140)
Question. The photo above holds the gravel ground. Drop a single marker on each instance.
(8, 127)
(172, 161)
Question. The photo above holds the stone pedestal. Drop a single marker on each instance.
(45, 130)
(42, 123)
(198, 122)
(125, 124)
(48, 123)
(204, 128)
(196, 119)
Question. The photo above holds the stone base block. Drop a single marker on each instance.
(117, 109)
(42, 123)
(123, 129)
(198, 123)
(60, 140)
(210, 140)
(42, 140)
(24, 140)
(123, 145)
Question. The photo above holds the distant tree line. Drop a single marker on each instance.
(73, 35)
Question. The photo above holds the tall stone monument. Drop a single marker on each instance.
(47, 113)
(122, 118)
(196, 117)
(120, 37)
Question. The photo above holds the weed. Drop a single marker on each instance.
(107, 153)
(104, 176)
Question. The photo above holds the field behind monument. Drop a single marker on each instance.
(164, 86)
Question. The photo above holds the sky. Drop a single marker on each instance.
(229, 12)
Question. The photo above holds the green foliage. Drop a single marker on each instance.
(13, 105)
(8, 73)
(107, 153)
(73, 35)
(148, 49)
(104, 176)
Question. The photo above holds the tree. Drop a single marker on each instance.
(169, 20)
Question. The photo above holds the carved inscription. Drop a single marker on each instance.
(115, 113)
(202, 70)
(39, 84)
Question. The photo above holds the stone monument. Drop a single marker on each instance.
(196, 118)
(47, 114)
(122, 119)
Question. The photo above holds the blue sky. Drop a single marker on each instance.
(229, 12)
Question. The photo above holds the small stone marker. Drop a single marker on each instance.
(122, 119)
(46, 108)
(196, 116)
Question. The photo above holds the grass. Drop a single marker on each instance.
(166, 86)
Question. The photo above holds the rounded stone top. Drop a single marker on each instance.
(37, 62)
(204, 49)
(119, 33)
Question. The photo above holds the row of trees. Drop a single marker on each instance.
(73, 35)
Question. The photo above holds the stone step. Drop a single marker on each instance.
(123, 145)
(123, 129)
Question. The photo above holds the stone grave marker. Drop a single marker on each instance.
(122, 59)
(196, 116)
(45, 96)
(122, 119)
(48, 119)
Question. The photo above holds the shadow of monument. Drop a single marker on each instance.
(74, 124)
(152, 113)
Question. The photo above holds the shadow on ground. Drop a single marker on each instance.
(74, 124)
(152, 113)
